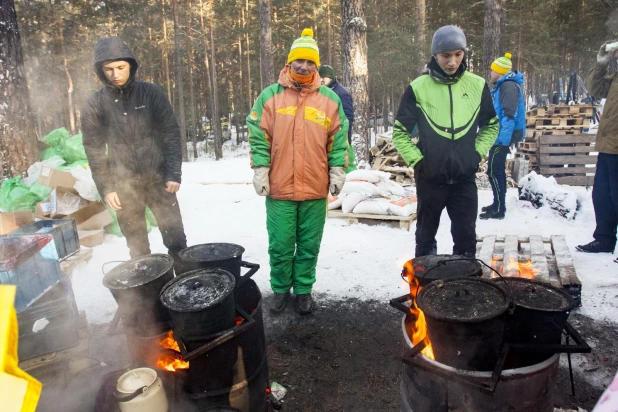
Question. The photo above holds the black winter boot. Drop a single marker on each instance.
(487, 208)
(305, 303)
(594, 247)
(492, 214)
(279, 302)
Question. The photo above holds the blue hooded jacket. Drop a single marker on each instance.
(510, 108)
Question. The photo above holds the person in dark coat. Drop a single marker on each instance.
(132, 140)
(327, 73)
(602, 84)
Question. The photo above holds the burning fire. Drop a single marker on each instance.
(238, 320)
(168, 360)
(417, 330)
(514, 268)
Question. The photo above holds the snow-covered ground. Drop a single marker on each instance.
(357, 261)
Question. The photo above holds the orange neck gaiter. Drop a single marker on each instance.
(303, 79)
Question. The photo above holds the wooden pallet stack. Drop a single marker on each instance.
(556, 143)
(387, 159)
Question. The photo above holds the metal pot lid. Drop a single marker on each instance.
(135, 379)
(211, 252)
(197, 290)
(139, 271)
(465, 300)
(434, 267)
(537, 296)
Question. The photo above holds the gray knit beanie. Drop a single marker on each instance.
(448, 38)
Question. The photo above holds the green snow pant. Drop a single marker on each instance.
(294, 236)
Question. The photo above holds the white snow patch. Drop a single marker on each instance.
(357, 261)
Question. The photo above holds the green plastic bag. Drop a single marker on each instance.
(56, 138)
(40, 190)
(73, 149)
(79, 163)
(114, 227)
(50, 152)
(150, 218)
(14, 195)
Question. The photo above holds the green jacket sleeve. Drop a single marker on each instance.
(404, 125)
(488, 124)
(338, 141)
(598, 85)
(259, 124)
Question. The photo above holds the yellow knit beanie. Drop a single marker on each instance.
(305, 48)
(502, 65)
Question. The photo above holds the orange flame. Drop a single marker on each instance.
(238, 320)
(514, 268)
(417, 330)
(169, 361)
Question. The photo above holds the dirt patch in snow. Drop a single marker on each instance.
(345, 357)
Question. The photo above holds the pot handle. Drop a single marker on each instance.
(253, 267)
(397, 303)
(121, 397)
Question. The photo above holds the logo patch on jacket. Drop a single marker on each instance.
(254, 115)
(140, 107)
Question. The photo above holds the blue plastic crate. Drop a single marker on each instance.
(30, 263)
(64, 232)
(50, 324)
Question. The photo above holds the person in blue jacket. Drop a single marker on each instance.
(510, 107)
(327, 73)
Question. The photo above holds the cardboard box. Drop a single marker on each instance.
(42, 210)
(56, 178)
(10, 221)
(92, 217)
(91, 238)
(65, 202)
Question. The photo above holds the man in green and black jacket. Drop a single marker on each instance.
(457, 125)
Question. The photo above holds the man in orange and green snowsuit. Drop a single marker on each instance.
(298, 136)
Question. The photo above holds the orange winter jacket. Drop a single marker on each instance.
(299, 132)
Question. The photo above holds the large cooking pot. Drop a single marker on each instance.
(136, 285)
(465, 321)
(217, 255)
(141, 390)
(200, 302)
(434, 267)
(540, 316)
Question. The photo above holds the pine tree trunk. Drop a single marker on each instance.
(491, 38)
(421, 21)
(329, 34)
(215, 122)
(18, 144)
(193, 124)
(69, 80)
(355, 73)
(209, 90)
(266, 45)
(249, 93)
(181, 97)
(166, 62)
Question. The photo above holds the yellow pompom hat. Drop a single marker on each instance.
(305, 48)
(503, 65)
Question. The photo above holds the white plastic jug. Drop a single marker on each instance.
(141, 390)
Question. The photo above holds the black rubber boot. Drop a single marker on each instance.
(305, 303)
(279, 302)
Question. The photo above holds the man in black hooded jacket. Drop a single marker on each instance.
(132, 141)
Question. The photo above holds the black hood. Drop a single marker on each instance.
(436, 72)
(109, 49)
